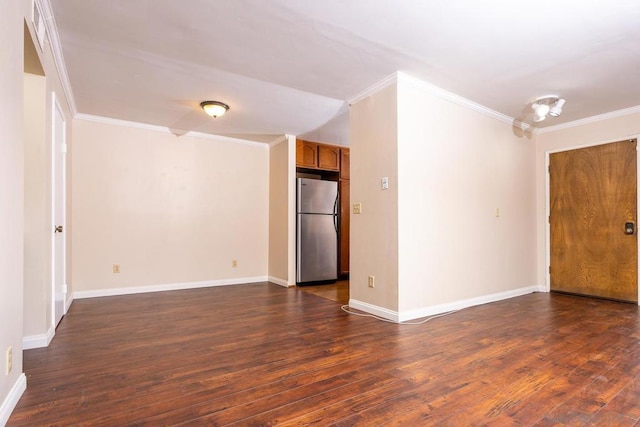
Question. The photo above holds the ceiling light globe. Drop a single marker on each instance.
(214, 108)
(556, 110)
(541, 111)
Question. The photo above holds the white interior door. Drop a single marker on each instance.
(59, 223)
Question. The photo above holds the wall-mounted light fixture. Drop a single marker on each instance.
(214, 108)
(548, 104)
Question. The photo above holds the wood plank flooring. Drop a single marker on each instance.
(261, 354)
(338, 292)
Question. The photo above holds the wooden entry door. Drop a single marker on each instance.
(593, 194)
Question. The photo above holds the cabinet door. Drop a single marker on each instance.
(344, 163)
(328, 157)
(306, 154)
(343, 262)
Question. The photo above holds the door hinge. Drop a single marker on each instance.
(549, 269)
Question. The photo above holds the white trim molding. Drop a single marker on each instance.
(56, 51)
(162, 129)
(38, 341)
(418, 313)
(470, 302)
(68, 302)
(592, 119)
(166, 287)
(385, 313)
(456, 99)
(374, 88)
(10, 402)
(278, 140)
(279, 281)
(400, 77)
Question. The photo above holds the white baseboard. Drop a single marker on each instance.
(280, 282)
(458, 305)
(38, 341)
(10, 402)
(374, 309)
(68, 302)
(406, 315)
(166, 287)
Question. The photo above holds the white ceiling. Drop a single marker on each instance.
(290, 66)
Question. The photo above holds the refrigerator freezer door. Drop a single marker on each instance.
(315, 196)
(317, 248)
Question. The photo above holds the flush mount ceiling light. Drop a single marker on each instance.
(214, 108)
(548, 104)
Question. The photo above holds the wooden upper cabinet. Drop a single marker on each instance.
(306, 154)
(313, 155)
(344, 163)
(328, 157)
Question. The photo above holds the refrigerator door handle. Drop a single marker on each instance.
(298, 250)
(335, 211)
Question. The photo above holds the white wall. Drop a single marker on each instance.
(11, 201)
(39, 94)
(432, 240)
(592, 133)
(335, 131)
(374, 232)
(280, 175)
(22, 306)
(456, 167)
(168, 210)
(37, 205)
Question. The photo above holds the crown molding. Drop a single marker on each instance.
(440, 93)
(222, 138)
(56, 51)
(162, 129)
(592, 119)
(376, 87)
(457, 99)
(278, 140)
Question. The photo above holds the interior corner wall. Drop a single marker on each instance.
(594, 133)
(466, 203)
(168, 210)
(373, 130)
(279, 212)
(37, 208)
(11, 199)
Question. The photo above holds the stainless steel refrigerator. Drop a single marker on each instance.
(317, 232)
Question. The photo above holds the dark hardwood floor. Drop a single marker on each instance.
(261, 354)
(338, 291)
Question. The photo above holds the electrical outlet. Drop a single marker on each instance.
(357, 208)
(116, 268)
(9, 360)
(372, 283)
(234, 263)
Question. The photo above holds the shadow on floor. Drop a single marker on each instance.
(338, 292)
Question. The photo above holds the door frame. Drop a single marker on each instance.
(547, 201)
(56, 108)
